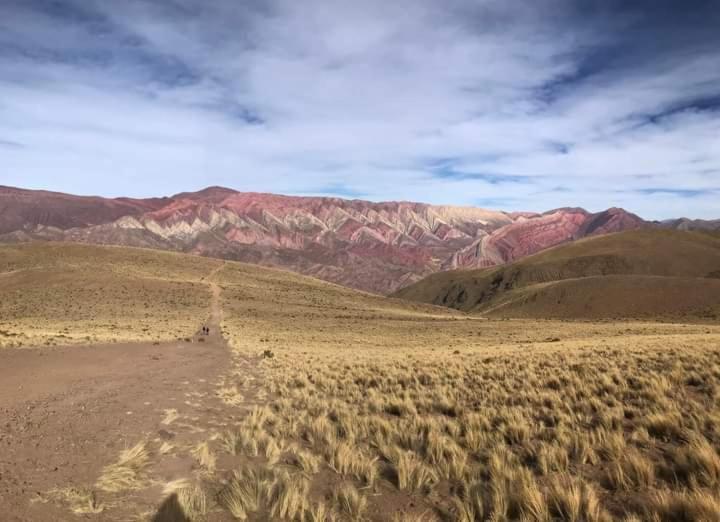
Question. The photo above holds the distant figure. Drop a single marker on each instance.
(207, 330)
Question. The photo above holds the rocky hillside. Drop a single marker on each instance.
(378, 247)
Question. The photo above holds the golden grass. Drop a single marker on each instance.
(190, 497)
(205, 457)
(245, 492)
(80, 501)
(128, 472)
(56, 294)
(350, 501)
(476, 419)
(368, 401)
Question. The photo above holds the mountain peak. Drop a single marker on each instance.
(213, 192)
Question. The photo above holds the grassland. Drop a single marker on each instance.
(65, 294)
(377, 410)
(340, 405)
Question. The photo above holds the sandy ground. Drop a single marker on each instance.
(67, 412)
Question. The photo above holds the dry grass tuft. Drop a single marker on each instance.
(288, 496)
(350, 501)
(572, 500)
(244, 493)
(698, 464)
(682, 506)
(632, 471)
(80, 501)
(205, 457)
(190, 497)
(412, 473)
(126, 473)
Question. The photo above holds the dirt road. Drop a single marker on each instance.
(68, 412)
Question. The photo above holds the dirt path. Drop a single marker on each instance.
(216, 313)
(67, 413)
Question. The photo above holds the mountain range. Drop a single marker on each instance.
(377, 247)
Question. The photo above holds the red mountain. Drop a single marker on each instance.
(378, 247)
(28, 209)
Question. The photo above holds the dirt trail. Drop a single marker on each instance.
(67, 412)
(216, 313)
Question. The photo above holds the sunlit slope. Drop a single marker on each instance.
(62, 293)
(283, 310)
(56, 293)
(643, 274)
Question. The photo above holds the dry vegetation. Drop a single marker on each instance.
(380, 411)
(356, 407)
(64, 294)
(641, 274)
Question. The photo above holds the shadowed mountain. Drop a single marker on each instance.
(691, 224)
(30, 210)
(378, 247)
(645, 273)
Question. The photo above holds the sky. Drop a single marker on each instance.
(502, 104)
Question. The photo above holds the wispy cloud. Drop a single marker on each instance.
(333, 190)
(683, 193)
(9, 144)
(508, 104)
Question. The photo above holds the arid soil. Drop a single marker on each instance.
(67, 412)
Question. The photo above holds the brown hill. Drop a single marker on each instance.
(647, 273)
(69, 293)
(31, 210)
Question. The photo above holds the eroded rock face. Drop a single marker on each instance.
(530, 234)
(378, 247)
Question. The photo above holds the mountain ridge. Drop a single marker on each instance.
(372, 246)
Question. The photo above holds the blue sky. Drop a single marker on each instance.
(505, 104)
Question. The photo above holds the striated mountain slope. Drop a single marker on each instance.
(530, 234)
(379, 247)
(630, 274)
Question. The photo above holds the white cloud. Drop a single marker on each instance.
(148, 98)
